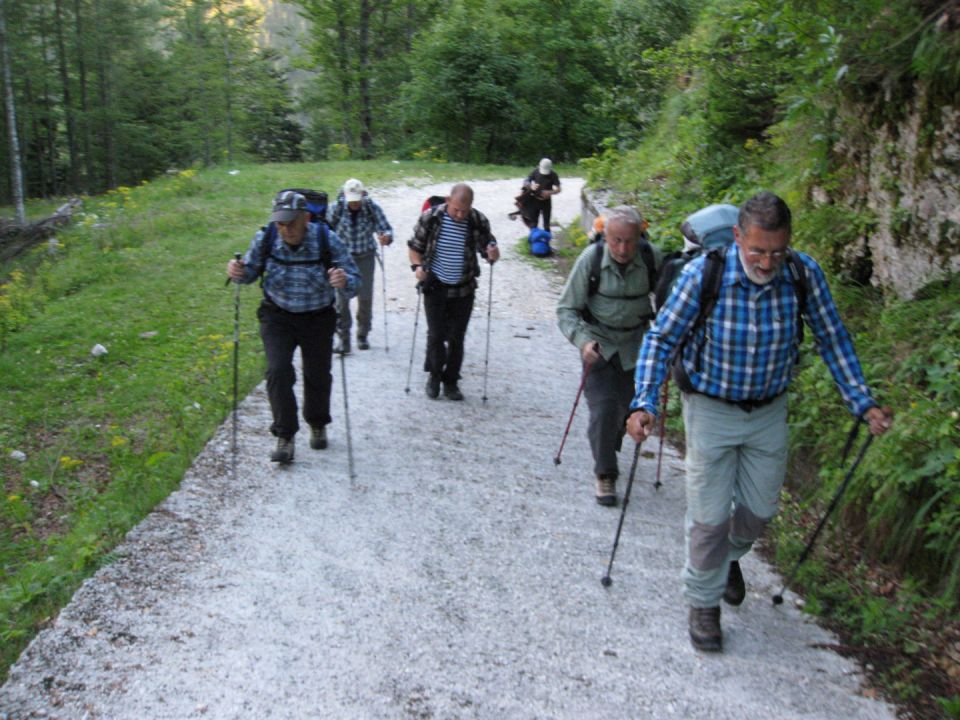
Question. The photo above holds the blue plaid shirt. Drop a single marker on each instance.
(747, 348)
(357, 230)
(299, 288)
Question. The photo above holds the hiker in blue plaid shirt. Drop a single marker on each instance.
(738, 364)
(358, 220)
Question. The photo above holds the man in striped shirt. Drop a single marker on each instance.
(739, 362)
(446, 243)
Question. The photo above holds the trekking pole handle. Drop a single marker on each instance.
(236, 256)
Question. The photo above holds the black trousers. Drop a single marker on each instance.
(282, 333)
(541, 207)
(447, 320)
(609, 390)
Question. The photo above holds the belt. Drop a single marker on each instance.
(745, 405)
(273, 307)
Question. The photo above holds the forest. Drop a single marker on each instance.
(849, 110)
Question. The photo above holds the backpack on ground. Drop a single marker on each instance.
(708, 228)
(539, 241)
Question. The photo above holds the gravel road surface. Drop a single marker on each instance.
(456, 576)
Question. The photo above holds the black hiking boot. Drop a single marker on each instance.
(452, 392)
(736, 589)
(362, 342)
(433, 387)
(705, 633)
(318, 437)
(284, 452)
(342, 344)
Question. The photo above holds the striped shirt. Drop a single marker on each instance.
(747, 348)
(447, 261)
(293, 277)
(356, 230)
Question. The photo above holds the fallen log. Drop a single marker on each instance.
(16, 239)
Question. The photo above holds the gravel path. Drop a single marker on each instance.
(457, 576)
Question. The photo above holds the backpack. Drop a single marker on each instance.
(317, 205)
(596, 260)
(431, 202)
(539, 241)
(708, 228)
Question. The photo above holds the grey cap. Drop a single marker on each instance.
(286, 205)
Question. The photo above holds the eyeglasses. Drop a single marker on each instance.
(776, 255)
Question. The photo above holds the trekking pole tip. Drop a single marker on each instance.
(606, 581)
(777, 599)
(556, 460)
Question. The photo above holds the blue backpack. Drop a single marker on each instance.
(540, 242)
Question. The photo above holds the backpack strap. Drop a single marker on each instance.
(710, 282)
(593, 283)
(649, 260)
(798, 273)
(270, 236)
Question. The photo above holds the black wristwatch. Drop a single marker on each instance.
(414, 267)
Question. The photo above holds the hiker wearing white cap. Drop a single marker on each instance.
(543, 183)
(358, 220)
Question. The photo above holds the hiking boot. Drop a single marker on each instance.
(284, 452)
(318, 437)
(606, 491)
(736, 590)
(433, 386)
(342, 344)
(362, 343)
(705, 633)
(452, 392)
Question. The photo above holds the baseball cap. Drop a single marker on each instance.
(286, 205)
(353, 190)
(546, 166)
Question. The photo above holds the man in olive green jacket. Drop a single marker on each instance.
(606, 319)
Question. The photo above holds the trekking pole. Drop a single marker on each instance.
(663, 423)
(486, 358)
(383, 286)
(236, 367)
(576, 401)
(346, 413)
(606, 580)
(413, 342)
(778, 598)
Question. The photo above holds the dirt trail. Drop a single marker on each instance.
(456, 577)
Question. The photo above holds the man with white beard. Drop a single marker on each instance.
(735, 347)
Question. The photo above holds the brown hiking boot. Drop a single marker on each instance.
(736, 589)
(318, 437)
(606, 491)
(705, 633)
(284, 452)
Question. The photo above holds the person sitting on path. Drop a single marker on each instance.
(443, 255)
(735, 365)
(544, 183)
(302, 264)
(607, 323)
(358, 220)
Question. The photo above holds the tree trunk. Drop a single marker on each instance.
(67, 100)
(227, 77)
(363, 51)
(52, 185)
(106, 115)
(343, 61)
(16, 170)
(84, 103)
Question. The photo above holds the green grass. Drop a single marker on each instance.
(142, 273)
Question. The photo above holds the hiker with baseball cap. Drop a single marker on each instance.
(358, 220)
(302, 264)
(542, 184)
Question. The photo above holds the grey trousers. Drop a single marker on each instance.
(366, 264)
(609, 390)
(736, 462)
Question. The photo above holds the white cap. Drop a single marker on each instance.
(353, 190)
(546, 166)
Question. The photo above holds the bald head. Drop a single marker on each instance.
(459, 202)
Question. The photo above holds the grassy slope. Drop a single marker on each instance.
(107, 438)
